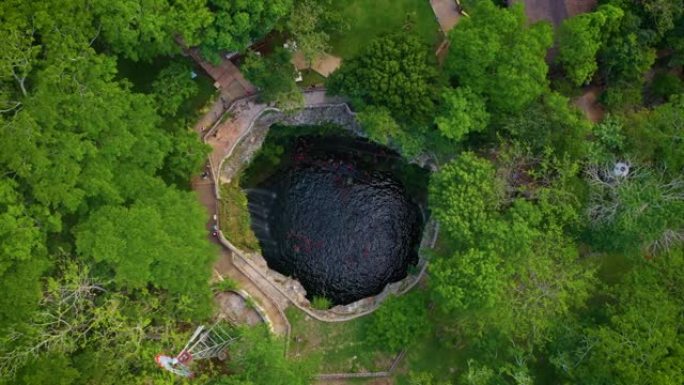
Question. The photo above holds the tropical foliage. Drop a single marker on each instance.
(560, 244)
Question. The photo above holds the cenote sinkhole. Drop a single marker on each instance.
(338, 213)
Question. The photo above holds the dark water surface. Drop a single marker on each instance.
(335, 215)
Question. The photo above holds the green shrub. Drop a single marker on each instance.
(234, 217)
(227, 284)
(320, 303)
(398, 322)
(665, 85)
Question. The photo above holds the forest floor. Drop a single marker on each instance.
(588, 103)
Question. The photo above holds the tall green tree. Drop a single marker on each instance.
(471, 280)
(399, 322)
(22, 256)
(464, 195)
(274, 75)
(150, 242)
(310, 23)
(172, 87)
(498, 55)
(143, 29)
(75, 142)
(655, 136)
(638, 339)
(382, 128)
(581, 37)
(259, 358)
(626, 56)
(550, 122)
(462, 112)
(238, 23)
(393, 72)
(657, 15)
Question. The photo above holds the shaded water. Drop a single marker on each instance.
(335, 215)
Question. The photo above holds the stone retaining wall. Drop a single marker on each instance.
(244, 151)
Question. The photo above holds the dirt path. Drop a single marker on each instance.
(225, 135)
(222, 138)
(589, 104)
(224, 265)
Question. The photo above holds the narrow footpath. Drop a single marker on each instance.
(232, 86)
(226, 122)
(224, 265)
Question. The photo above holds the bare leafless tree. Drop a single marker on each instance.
(67, 315)
(609, 191)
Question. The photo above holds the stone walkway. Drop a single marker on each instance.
(224, 266)
(222, 136)
(237, 309)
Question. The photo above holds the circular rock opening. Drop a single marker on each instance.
(336, 215)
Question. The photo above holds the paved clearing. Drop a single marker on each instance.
(446, 12)
(236, 309)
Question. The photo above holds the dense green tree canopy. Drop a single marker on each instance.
(642, 211)
(258, 358)
(637, 339)
(81, 150)
(550, 122)
(310, 23)
(581, 37)
(399, 322)
(463, 196)
(655, 136)
(471, 280)
(393, 72)
(463, 112)
(141, 243)
(141, 30)
(172, 87)
(22, 256)
(548, 268)
(238, 23)
(275, 77)
(382, 128)
(496, 54)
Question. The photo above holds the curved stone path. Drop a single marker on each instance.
(224, 134)
(223, 268)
